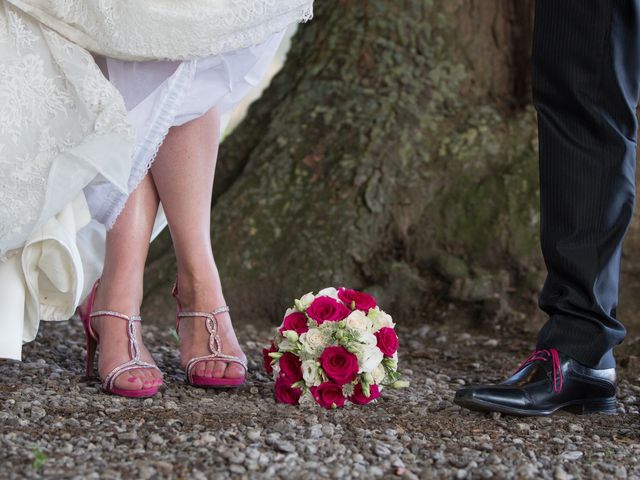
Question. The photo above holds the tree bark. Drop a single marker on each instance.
(395, 152)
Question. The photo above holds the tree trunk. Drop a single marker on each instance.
(395, 152)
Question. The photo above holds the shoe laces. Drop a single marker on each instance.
(545, 355)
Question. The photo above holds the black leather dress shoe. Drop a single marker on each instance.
(546, 382)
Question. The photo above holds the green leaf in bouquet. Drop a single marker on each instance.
(393, 375)
(347, 389)
(275, 355)
(289, 346)
(390, 363)
(373, 313)
(366, 389)
(298, 384)
(352, 348)
(329, 328)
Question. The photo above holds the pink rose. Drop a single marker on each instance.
(285, 394)
(324, 309)
(387, 341)
(359, 398)
(267, 359)
(340, 365)
(290, 368)
(357, 300)
(296, 321)
(328, 394)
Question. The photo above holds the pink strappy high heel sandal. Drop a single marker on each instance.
(135, 363)
(215, 347)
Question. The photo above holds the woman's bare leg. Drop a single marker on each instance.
(121, 285)
(183, 174)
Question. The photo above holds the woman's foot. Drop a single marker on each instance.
(114, 348)
(203, 293)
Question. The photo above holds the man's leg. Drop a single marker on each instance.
(586, 76)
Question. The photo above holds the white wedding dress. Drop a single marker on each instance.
(60, 193)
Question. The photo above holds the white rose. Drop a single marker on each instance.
(378, 374)
(358, 321)
(310, 373)
(369, 358)
(313, 341)
(329, 292)
(382, 320)
(368, 339)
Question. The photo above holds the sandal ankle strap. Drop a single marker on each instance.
(208, 315)
(111, 313)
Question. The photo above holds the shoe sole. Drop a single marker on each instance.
(583, 407)
(146, 393)
(208, 382)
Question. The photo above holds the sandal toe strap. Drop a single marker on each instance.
(218, 358)
(109, 381)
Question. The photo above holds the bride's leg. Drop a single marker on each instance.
(121, 286)
(183, 173)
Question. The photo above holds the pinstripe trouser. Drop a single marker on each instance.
(586, 81)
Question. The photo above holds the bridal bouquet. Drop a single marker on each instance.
(333, 347)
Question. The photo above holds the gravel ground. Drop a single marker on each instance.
(55, 423)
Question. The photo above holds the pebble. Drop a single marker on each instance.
(237, 469)
(38, 412)
(575, 455)
(620, 472)
(560, 474)
(285, 447)
(381, 450)
(415, 433)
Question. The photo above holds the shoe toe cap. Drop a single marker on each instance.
(492, 395)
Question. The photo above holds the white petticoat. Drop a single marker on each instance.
(56, 268)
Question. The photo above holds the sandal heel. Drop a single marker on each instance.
(92, 347)
(91, 342)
